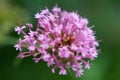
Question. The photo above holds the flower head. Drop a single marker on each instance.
(62, 39)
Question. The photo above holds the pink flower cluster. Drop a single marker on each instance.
(62, 39)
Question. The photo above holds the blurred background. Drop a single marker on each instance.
(103, 14)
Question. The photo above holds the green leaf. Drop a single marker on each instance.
(17, 62)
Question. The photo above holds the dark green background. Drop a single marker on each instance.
(103, 14)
